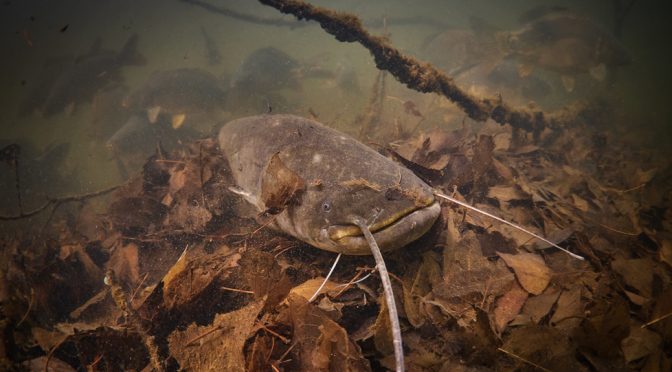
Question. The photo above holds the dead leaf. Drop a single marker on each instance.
(636, 273)
(508, 306)
(537, 307)
(77, 253)
(507, 193)
(605, 326)
(544, 346)
(428, 274)
(40, 364)
(640, 343)
(189, 215)
(310, 286)
(665, 252)
(321, 343)
(175, 270)
(280, 186)
(125, 264)
(217, 346)
(569, 307)
(196, 277)
(661, 320)
(469, 279)
(178, 178)
(643, 177)
(580, 203)
(382, 331)
(262, 274)
(530, 269)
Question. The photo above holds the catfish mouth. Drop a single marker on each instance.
(393, 232)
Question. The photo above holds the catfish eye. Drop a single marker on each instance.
(326, 206)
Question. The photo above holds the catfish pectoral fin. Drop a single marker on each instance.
(246, 195)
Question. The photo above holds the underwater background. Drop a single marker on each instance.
(108, 111)
(171, 36)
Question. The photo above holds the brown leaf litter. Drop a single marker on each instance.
(199, 285)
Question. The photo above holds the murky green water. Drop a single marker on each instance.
(170, 37)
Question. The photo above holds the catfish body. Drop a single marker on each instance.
(342, 180)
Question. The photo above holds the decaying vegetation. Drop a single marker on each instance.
(172, 276)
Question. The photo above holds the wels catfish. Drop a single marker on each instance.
(338, 183)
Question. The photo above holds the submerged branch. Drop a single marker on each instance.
(400, 21)
(58, 201)
(242, 16)
(417, 75)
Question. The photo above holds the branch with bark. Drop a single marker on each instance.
(417, 75)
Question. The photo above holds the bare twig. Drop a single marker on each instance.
(658, 319)
(523, 359)
(242, 16)
(56, 202)
(413, 20)
(236, 290)
(30, 306)
(326, 279)
(210, 331)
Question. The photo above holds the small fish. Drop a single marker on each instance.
(267, 69)
(41, 84)
(454, 50)
(88, 74)
(135, 135)
(333, 181)
(564, 42)
(178, 94)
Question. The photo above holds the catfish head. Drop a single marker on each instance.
(398, 207)
(317, 182)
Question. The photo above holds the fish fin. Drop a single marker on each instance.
(599, 72)
(525, 70)
(129, 53)
(568, 82)
(153, 113)
(245, 195)
(178, 120)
